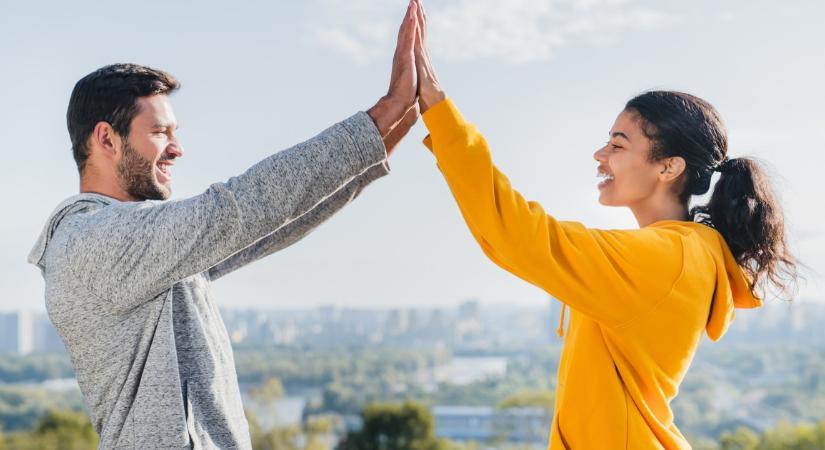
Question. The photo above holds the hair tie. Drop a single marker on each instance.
(725, 166)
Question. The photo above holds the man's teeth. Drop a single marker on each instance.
(605, 176)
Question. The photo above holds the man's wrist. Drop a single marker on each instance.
(386, 113)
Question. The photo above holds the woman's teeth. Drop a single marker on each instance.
(606, 178)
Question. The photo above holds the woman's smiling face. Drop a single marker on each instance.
(628, 175)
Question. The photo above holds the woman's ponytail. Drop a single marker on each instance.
(746, 212)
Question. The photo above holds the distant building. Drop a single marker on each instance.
(44, 335)
(488, 424)
(24, 332)
(16, 332)
(397, 321)
(468, 325)
(9, 333)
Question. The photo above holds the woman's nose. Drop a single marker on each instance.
(599, 155)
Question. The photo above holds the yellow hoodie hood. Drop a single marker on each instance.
(732, 291)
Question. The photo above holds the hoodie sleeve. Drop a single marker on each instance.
(297, 229)
(130, 252)
(611, 276)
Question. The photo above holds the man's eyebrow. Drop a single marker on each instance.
(619, 134)
(166, 125)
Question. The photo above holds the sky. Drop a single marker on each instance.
(542, 79)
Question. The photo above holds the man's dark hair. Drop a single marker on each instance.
(110, 94)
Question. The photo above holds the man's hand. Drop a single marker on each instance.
(429, 91)
(397, 111)
(401, 128)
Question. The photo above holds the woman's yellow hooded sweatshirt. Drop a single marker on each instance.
(639, 299)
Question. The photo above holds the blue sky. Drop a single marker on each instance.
(543, 79)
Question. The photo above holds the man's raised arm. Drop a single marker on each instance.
(132, 252)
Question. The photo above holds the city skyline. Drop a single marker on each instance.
(468, 325)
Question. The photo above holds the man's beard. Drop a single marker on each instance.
(137, 176)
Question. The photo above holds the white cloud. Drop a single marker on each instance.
(343, 42)
(513, 31)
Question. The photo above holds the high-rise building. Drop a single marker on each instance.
(9, 333)
(24, 332)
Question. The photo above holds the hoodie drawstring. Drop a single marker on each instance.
(560, 330)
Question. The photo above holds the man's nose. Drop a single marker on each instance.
(175, 150)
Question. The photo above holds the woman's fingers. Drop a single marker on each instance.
(422, 21)
(420, 53)
(422, 57)
(429, 90)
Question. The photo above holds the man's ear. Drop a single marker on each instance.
(672, 168)
(105, 139)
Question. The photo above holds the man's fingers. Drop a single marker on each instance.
(403, 60)
(405, 20)
(406, 34)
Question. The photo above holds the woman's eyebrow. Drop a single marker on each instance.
(619, 134)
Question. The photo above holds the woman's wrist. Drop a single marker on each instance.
(429, 98)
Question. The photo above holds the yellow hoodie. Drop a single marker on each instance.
(639, 299)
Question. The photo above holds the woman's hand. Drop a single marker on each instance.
(429, 91)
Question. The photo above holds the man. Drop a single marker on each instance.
(127, 274)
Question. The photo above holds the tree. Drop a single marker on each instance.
(741, 439)
(279, 438)
(408, 426)
(819, 434)
(543, 399)
(789, 437)
(56, 430)
(269, 392)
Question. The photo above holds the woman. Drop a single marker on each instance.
(639, 299)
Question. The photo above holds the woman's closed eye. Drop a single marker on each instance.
(613, 146)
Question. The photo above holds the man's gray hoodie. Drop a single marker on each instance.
(128, 286)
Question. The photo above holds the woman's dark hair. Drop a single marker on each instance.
(743, 206)
(110, 94)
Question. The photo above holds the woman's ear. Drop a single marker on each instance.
(672, 168)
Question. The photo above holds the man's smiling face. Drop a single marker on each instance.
(144, 169)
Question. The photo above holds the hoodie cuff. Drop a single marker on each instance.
(367, 139)
(444, 121)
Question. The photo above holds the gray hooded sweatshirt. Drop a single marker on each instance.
(128, 286)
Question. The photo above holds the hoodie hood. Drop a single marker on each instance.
(72, 204)
(732, 291)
